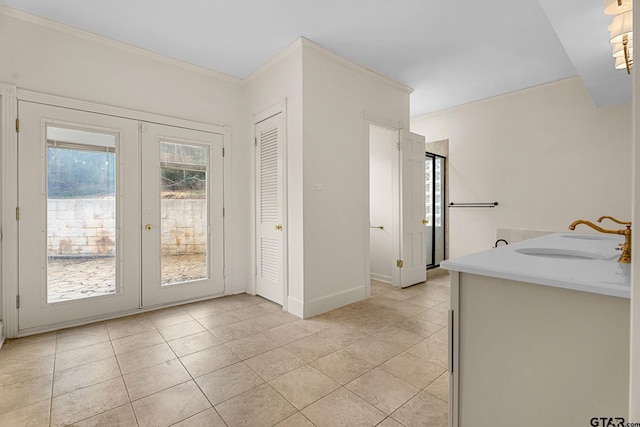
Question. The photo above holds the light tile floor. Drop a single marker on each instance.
(240, 361)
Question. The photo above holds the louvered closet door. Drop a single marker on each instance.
(269, 209)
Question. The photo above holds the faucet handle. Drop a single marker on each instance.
(613, 219)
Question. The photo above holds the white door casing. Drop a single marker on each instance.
(412, 260)
(270, 227)
(157, 228)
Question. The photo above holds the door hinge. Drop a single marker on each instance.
(222, 151)
(223, 212)
(17, 214)
(400, 263)
(255, 141)
(17, 125)
(17, 301)
(399, 145)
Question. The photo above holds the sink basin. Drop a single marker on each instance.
(559, 253)
(587, 237)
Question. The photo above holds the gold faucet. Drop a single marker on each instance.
(625, 257)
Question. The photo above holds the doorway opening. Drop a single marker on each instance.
(383, 201)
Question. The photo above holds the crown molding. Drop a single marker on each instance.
(283, 54)
(56, 26)
(305, 42)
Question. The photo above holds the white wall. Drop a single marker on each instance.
(546, 154)
(42, 56)
(278, 80)
(383, 155)
(336, 95)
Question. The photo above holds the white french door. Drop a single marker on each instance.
(270, 275)
(412, 260)
(114, 215)
(79, 240)
(182, 201)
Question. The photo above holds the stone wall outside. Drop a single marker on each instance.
(86, 227)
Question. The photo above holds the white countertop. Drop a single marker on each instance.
(602, 274)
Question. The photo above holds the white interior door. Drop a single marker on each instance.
(412, 260)
(270, 231)
(79, 244)
(182, 214)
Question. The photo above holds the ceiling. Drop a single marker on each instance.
(450, 52)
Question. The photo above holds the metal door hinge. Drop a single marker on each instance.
(400, 263)
(17, 301)
(255, 141)
(399, 145)
(17, 125)
(223, 212)
(17, 214)
(222, 151)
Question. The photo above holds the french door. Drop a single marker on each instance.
(114, 215)
(182, 233)
(78, 228)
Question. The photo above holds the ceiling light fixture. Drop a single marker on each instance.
(621, 32)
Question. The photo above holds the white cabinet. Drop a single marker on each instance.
(524, 354)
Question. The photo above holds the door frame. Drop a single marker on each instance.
(279, 108)
(10, 95)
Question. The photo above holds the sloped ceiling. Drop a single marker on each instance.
(450, 52)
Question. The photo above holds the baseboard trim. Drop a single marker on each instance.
(331, 302)
(295, 307)
(380, 277)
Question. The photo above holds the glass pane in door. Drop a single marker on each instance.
(429, 207)
(183, 212)
(438, 211)
(81, 214)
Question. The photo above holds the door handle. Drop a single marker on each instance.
(148, 227)
(279, 227)
(425, 221)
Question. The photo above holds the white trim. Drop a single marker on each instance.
(267, 113)
(1, 333)
(381, 278)
(354, 66)
(330, 302)
(227, 218)
(92, 107)
(293, 47)
(9, 202)
(295, 307)
(56, 26)
(380, 121)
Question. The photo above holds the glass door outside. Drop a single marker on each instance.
(73, 226)
(435, 203)
(182, 236)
